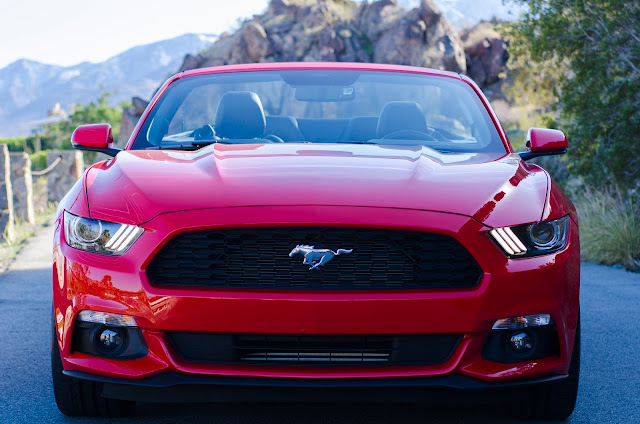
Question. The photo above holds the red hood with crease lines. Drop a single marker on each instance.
(138, 185)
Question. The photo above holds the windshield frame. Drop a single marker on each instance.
(278, 67)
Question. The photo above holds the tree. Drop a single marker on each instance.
(596, 45)
(58, 135)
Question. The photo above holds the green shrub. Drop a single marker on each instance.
(586, 55)
(15, 144)
(38, 160)
(610, 226)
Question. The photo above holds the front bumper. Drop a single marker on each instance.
(178, 387)
(546, 284)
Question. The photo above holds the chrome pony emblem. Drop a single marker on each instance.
(316, 257)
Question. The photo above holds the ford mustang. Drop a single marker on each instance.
(297, 231)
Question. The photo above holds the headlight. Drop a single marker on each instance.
(534, 239)
(97, 236)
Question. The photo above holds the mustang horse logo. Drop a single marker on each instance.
(316, 257)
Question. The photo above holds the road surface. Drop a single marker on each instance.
(609, 388)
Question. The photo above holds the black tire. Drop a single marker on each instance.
(555, 401)
(81, 398)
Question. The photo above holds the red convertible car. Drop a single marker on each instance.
(322, 231)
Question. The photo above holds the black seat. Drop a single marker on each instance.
(285, 127)
(401, 116)
(318, 130)
(240, 115)
(361, 128)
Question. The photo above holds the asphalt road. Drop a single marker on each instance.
(609, 388)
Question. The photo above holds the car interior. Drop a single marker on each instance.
(240, 118)
(320, 107)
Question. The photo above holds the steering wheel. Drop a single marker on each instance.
(273, 138)
(408, 135)
(205, 132)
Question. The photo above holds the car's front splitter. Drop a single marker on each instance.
(178, 387)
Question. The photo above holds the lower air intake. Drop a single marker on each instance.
(315, 349)
(316, 357)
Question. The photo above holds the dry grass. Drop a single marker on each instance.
(610, 226)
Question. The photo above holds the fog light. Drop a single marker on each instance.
(109, 339)
(522, 343)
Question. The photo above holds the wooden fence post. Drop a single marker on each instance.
(7, 222)
(22, 185)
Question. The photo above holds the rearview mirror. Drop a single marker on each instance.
(95, 138)
(544, 142)
(321, 93)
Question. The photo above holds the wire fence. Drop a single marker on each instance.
(48, 168)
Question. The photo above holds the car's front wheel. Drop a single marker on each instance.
(555, 400)
(81, 398)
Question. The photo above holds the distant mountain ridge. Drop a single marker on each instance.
(28, 89)
(467, 13)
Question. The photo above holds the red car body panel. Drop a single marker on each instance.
(472, 312)
(232, 186)
(155, 182)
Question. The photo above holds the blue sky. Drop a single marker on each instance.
(66, 32)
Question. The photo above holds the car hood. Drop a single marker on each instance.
(496, 190)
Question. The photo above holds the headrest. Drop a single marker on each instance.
(400, 116)
(240, 115)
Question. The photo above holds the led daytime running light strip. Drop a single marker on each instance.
(516, 323)
(508, 241)
(123, 237)
(107, 318)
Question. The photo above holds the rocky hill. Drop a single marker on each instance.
(347, 31)
(28, 89)
(344, 31)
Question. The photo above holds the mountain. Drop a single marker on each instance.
(466, 13)
(28, 89)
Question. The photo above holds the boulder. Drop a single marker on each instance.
(420, 37)
(255, 39)
(486, 53)
(130, 117)
(191, 62)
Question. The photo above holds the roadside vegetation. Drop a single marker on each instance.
(575, 66)
(610, 226)
(57, 136)
(54, 136)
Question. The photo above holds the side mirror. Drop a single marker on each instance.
(94, 138)
(544, 142)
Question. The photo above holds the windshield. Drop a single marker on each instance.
(320, 106)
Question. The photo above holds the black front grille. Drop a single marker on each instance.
(335, 350)
(259, 258)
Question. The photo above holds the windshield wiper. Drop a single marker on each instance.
(196, 145)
